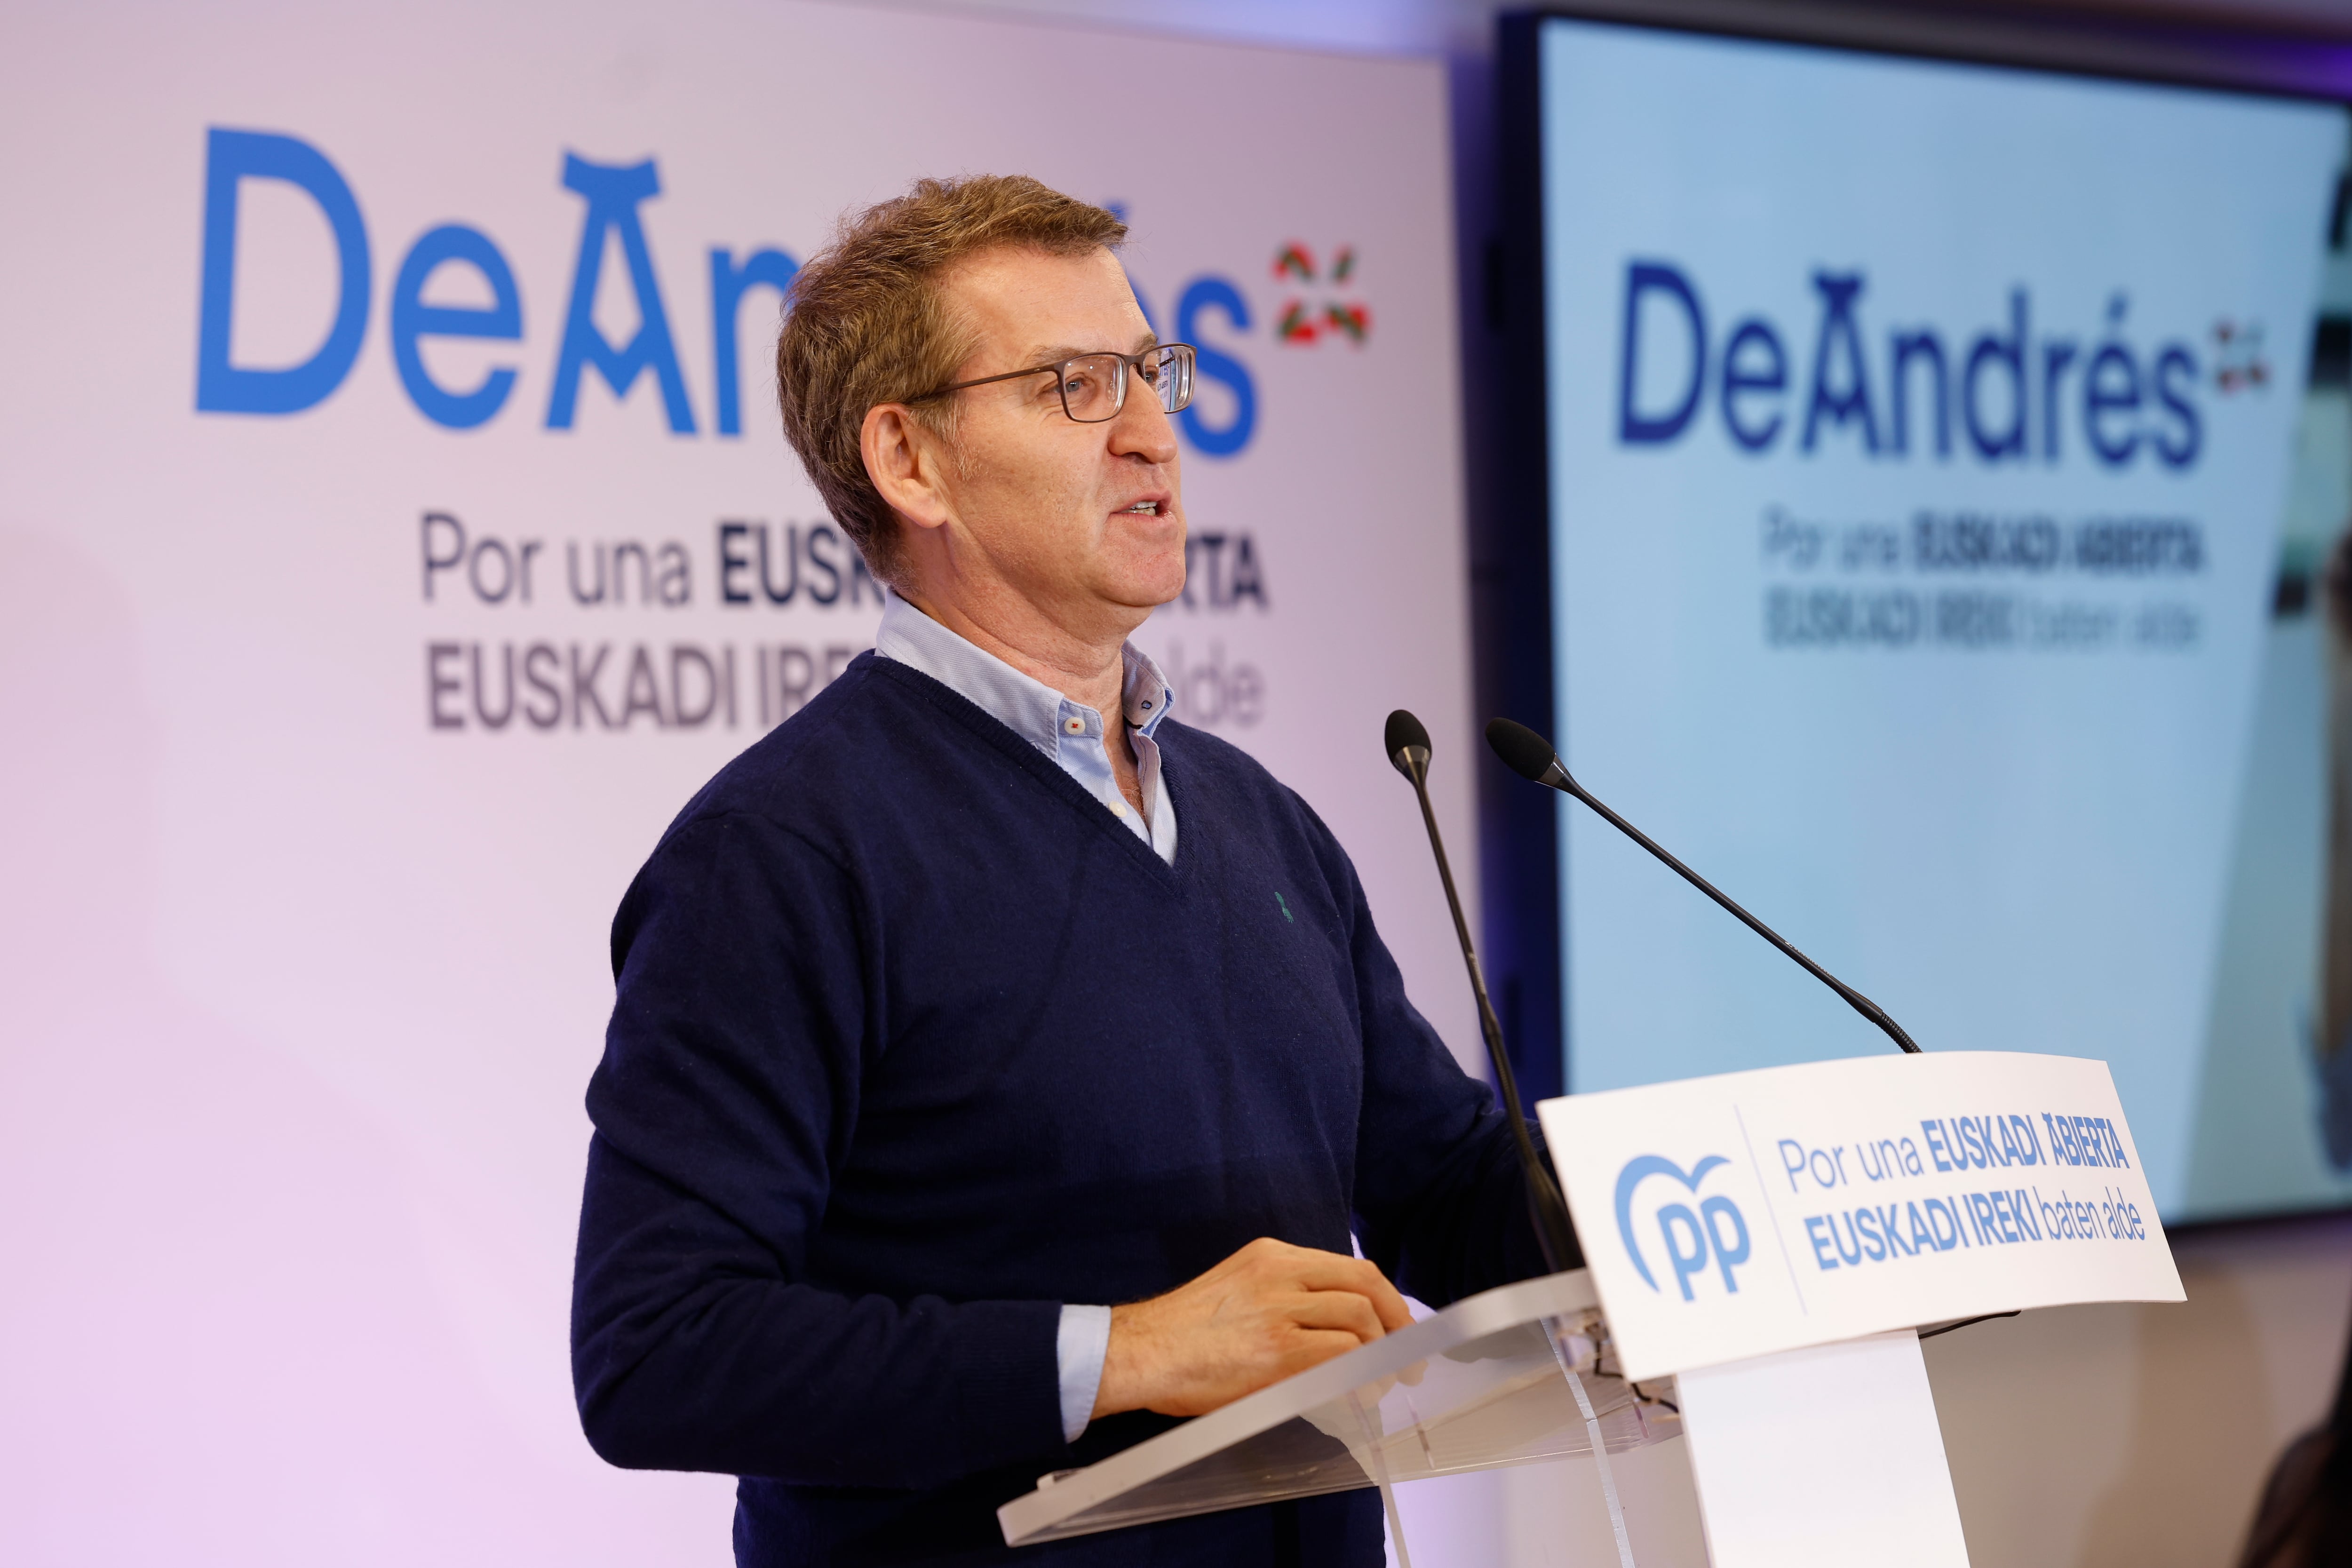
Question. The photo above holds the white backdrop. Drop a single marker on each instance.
(303, 961)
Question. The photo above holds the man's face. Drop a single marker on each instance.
(1085, 521)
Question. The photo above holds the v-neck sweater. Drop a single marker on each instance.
(912, 1043)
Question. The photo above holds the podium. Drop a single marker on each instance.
(1484, 1383)
(1763, 1248)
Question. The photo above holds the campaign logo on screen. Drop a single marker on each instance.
(2014, 388)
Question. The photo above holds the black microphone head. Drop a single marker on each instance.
(1527, 753)
(1407, 746)
(1404, 730)
(1404, 735)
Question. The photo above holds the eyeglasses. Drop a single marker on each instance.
(1094, 386)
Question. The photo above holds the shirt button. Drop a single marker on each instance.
(1075, 726)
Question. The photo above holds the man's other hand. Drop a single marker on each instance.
(1265, 1312)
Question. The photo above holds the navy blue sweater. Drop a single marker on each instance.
(913, 1043)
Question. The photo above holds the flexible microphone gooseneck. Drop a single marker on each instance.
(1531, 756)
(1407, 744)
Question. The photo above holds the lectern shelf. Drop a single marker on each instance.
(1474, 1387)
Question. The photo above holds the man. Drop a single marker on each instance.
(997, 1066)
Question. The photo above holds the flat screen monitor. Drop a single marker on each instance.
(1947, 464)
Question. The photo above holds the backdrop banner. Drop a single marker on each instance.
(395, 531)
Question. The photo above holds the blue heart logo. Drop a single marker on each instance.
(1639, 1169)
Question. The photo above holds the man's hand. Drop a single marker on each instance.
(1268, 1311)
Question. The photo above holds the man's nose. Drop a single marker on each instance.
(1142, 429)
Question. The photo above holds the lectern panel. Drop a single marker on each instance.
(1477, 1386)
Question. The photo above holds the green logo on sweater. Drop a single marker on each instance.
(1285, 908)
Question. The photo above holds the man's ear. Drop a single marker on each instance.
(907, 463)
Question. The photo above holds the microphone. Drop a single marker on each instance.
(1531, 756)
(1407, 744)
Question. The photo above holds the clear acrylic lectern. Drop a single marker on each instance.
(1509, 1377)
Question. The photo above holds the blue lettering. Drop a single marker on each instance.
(2177, 449)
(1728, 1252)
(1771, 375)
(1817, 1232)
(1849, 1256)
(1667, 365)
(413, 319)
(1202, 295)
(2057, 354)
(614, 193)
(1837, 291)
(729, 282)
(1928, 349)
(2008, 354)
(2028, 1147)
(2010, 1154)
(1685, 1263)
(231, 157)
(1873, 1159)
(2111, 387)
(1635, 428)
(1891, 1229)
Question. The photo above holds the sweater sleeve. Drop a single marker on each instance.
(746, 1012)
(1440, 1201)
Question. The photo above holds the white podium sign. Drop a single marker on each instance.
(1750, 1213)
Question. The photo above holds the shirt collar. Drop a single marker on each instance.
(1026, 706)
(1145, 692)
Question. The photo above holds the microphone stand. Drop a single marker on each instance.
(1408, 748)
(1532, 757)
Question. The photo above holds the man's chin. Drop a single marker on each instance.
(1144, 598)
(1143, 586)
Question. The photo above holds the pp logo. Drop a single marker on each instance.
(1717, 1229)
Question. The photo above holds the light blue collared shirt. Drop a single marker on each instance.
(1071, 734)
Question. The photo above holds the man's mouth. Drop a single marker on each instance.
(1145, 509)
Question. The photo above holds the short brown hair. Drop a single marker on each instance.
(866, 324)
